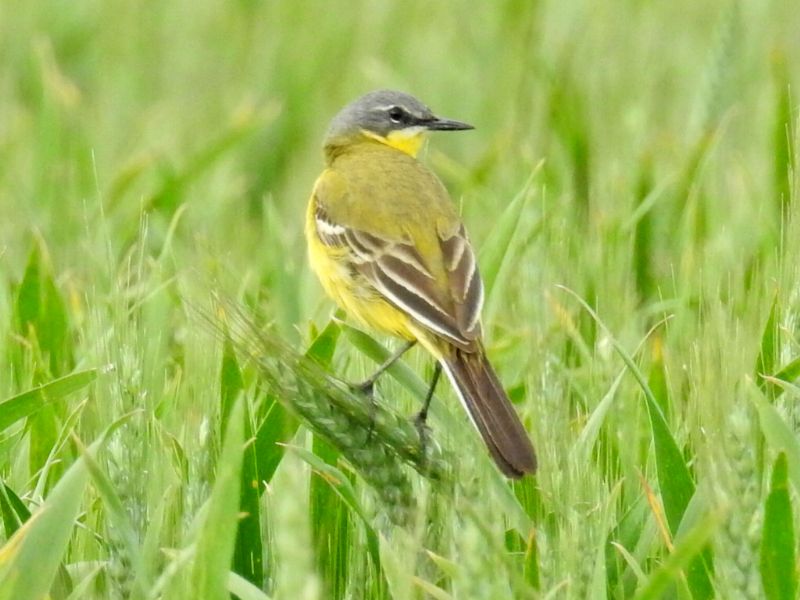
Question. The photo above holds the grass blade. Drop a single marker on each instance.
(85, 587)
(778, 564)
(657, 380)
(782, 380)
(783, 139)
(790, 372)
(770, 343)
(41, 315)
(27, 403)
(330, 526)
(643, 228)
(277, 428)
(569, 121)
(343, 488)
(15, 513)
(248, 556)
(248, 560)
(30, 559)
(780, 437)
(685, 551)
(231, 382)
(531, 570)
(243, 589)
(496, 246)
(588, 436)
(323, 347)
(217, 537)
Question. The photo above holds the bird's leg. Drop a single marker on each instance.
(422, 415)
(366, 387)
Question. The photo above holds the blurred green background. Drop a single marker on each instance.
(642, 155)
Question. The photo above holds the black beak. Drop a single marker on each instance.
(439, 124)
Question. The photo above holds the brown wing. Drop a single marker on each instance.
(466, 286)
(399, 272)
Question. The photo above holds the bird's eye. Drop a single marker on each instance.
(396, 114)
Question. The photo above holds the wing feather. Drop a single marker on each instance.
(328, 232)
(465, 282)
(399, 272)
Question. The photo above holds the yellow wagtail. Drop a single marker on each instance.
(388, 246)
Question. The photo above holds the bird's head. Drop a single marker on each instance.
(392, 118)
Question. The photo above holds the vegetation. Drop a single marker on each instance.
(173, 422)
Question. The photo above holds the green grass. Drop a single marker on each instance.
(170, 424)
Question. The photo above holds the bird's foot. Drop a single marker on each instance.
(366, 388)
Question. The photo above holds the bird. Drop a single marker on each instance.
(389, 247)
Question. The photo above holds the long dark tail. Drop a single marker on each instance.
(491, 412)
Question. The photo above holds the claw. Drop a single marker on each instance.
(367, 388)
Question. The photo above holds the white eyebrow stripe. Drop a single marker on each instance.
(388, 106)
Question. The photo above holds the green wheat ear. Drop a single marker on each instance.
(737, 492)
(377, 441)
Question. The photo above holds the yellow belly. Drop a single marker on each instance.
(363, 303)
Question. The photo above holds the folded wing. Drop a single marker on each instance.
(403, 276)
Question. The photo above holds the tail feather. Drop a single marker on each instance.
(491, 412)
